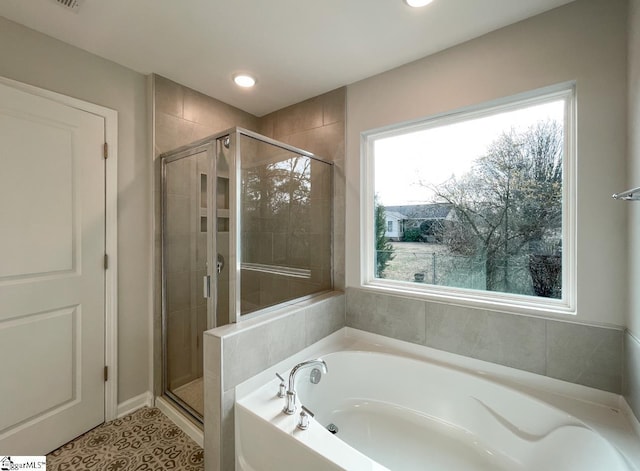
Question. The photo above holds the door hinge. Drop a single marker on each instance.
(106, 261)
(106, 373)
(106, 150)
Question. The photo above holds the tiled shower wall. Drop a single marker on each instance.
(181, 116)
(286, 222)
(317, 125)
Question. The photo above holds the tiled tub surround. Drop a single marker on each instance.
(575, 353)
(499, 411)
(581, 354)
(632, 372)
(236, 352)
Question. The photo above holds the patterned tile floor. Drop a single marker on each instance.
(143, 440)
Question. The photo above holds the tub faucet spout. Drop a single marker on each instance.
(290, 407)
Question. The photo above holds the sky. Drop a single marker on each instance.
(434, 154)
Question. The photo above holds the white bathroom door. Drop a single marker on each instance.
(52, 280)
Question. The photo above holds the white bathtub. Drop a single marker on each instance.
(404, 407)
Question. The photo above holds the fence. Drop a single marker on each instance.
(511, 275)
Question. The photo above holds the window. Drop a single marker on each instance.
(389, 226)
(486, 198)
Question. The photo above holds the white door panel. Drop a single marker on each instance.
(59, 330)
(52, 239)
(24, 250)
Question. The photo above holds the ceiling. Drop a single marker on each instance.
(296, 49)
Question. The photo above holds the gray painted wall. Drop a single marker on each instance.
(33, 58)
(584, 41)
(632, 342)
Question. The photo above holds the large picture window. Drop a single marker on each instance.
(485, 200)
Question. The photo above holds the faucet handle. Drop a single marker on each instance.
(303, 423)
(282, 388)
(290, 406)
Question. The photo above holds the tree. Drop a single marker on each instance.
(276, 198)
(510, 204)
(384, 249)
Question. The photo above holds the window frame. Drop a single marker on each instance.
(476, 298)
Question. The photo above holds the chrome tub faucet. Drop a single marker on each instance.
(290, 407)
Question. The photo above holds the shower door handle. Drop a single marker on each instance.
(206, 286)
(220, 263)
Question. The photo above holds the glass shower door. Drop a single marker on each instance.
(186, 309)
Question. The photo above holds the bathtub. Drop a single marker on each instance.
(398, 406)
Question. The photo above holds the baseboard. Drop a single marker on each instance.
(135, 403)
(188, 427)
(631, 417)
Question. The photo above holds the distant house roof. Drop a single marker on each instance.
(421, 211)
(394, 215)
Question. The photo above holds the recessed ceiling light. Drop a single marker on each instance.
(418, 3)
(244, 80)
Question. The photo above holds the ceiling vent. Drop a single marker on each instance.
(71, 5)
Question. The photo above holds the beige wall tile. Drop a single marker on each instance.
(169, 97)
(391, 316)
(213, 402)
(515, 341)
(585, 355)
(631, 376)
(172, 132)
(299, 117)
(215, 115)
(324, 319)
(266, 125)
(326, 142)
(333, 106)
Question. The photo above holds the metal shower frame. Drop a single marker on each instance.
(210, 145)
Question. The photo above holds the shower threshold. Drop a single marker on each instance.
(192, 394)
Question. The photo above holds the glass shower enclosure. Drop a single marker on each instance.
(246, 225)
